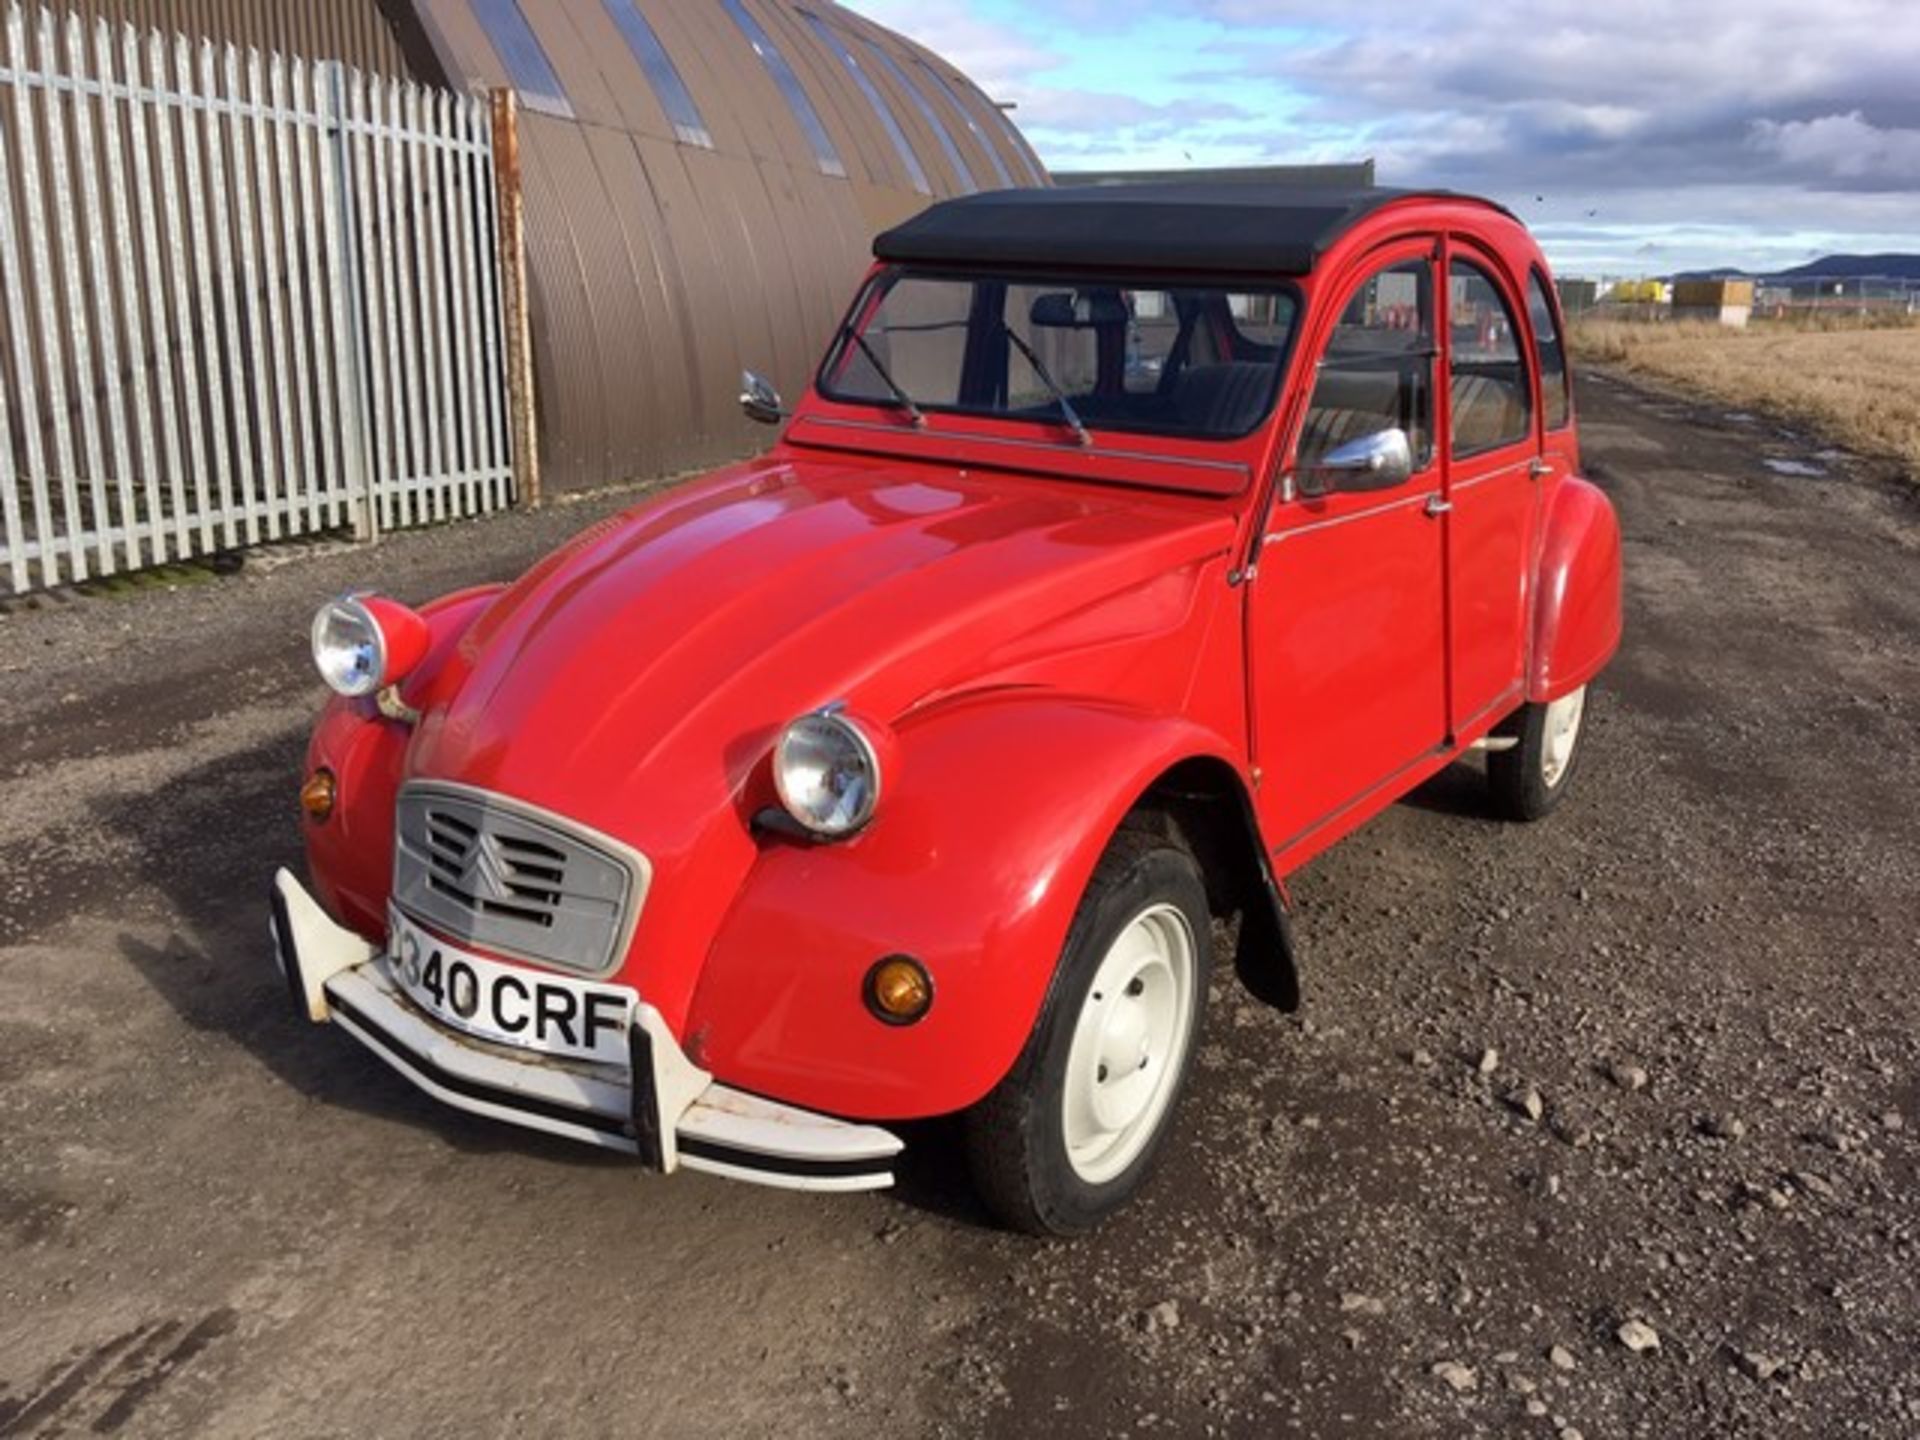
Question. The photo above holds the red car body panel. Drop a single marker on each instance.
(1039, 630)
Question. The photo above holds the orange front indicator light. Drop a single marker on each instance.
(898, 990)
(318, 794)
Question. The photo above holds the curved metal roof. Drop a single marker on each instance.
(678, 233)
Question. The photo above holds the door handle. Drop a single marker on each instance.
(1437, 507)
(1539, 469)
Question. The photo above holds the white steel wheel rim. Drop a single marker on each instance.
(1562, 733)
(1129, 1044)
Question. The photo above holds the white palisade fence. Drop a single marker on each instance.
(243, 296)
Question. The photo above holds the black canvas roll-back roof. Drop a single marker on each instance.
(1227, 228)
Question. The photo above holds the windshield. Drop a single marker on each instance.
(1071, 354)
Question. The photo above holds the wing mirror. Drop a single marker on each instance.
(1378, 461)
(759, 400)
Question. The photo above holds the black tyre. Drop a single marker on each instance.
(1072, 1132)
(1527, 780)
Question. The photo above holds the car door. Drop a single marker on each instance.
(1346, 616)
(1491, 444)
(1559, 454)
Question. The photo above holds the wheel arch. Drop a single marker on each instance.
(1576, 617)
(983, 894)
(1202, 801)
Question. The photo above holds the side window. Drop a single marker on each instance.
(1492, 404)
(1377, 372)
(1556, 386)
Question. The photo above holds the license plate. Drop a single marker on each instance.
(509, 1004)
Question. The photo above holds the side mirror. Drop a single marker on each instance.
(1378, 461)
(760, 400)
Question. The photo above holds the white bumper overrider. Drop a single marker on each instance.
(659, 1106)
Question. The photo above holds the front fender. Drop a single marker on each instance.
(350, 854)
(975, 866)
(1576, 618)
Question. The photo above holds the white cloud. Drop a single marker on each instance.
(1842, 147)
(994, 55)
(1663, 120)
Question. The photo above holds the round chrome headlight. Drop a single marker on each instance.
(828, 773)
(349, 650)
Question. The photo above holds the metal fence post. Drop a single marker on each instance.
(513, 272)
(339, 198)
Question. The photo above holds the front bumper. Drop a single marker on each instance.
(659, 1106)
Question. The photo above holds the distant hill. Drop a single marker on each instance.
(1847, 267)
(1832, 267)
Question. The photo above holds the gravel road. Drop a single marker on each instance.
(1602, 1128)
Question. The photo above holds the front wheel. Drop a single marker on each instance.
(1071, 1133)
(1527, 779)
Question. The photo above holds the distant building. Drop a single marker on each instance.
(1724, 302)
(1577, 295)
(1639, 292)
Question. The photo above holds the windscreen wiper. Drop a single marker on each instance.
(900, 397)
(1067, 412)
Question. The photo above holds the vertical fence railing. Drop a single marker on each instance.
(244, 297)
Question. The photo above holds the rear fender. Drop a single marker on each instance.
(975, 866)
(1576, 618)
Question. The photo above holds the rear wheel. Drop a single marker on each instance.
(1527, 779)
(1071, 1133)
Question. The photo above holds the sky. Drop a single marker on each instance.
(1633, 137)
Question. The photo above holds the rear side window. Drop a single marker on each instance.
(1556, 385)
(1377, 372)
(1491, 401)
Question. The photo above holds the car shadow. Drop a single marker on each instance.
(1459, 790)
(209, 841)
(932, 1177)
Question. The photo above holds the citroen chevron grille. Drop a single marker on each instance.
(502, 876)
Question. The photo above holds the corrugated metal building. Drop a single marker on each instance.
(360, 32)
(702, 179)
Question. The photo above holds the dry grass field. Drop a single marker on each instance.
(1858, 386)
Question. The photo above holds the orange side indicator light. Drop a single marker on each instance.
(317, 796)
(898, 990)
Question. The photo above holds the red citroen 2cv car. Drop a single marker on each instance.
(1131, 546)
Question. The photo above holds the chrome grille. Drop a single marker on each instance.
(508, 878)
